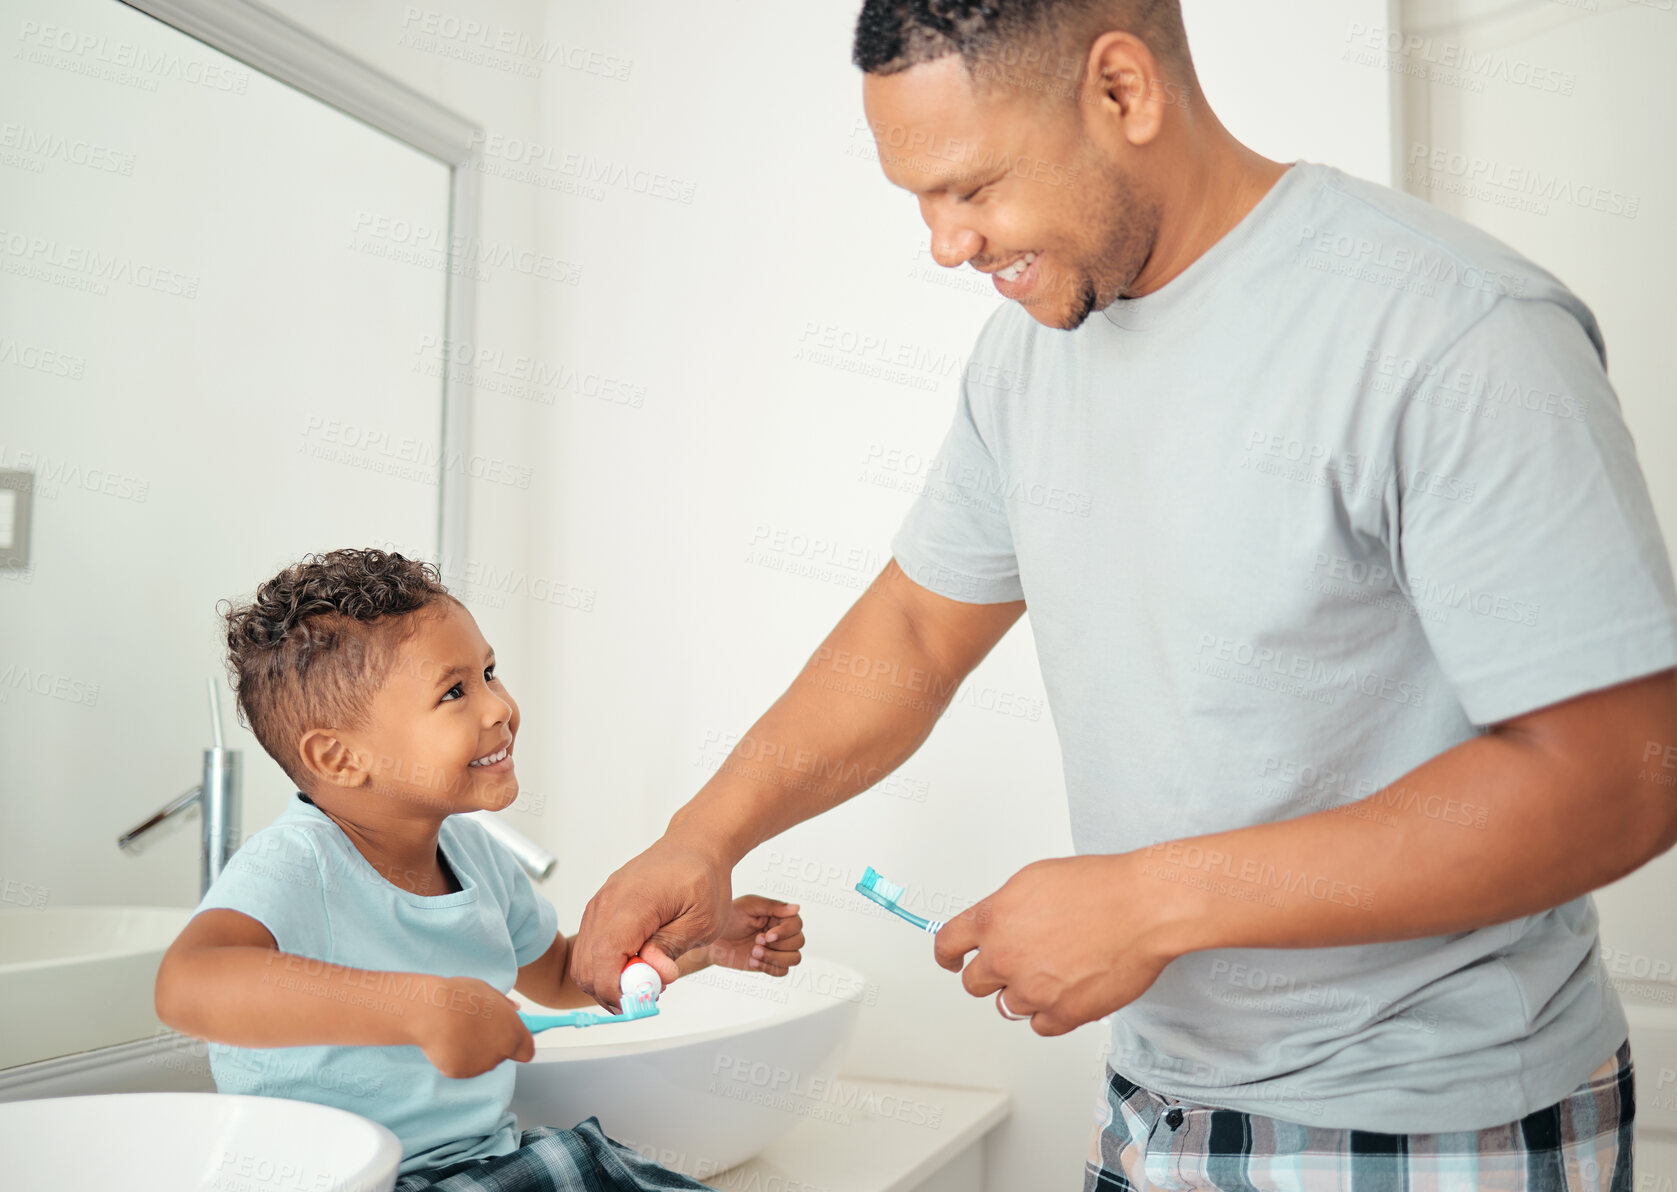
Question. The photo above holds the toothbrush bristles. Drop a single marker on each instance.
(876, 882)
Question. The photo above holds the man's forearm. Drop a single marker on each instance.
(1498, 827)
(863, 703)
(813, 749)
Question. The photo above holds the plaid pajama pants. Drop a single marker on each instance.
(581, 1159)
(1161, 1144)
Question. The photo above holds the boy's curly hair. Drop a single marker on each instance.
(316, 643)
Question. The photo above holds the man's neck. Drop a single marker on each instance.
(1218, 190)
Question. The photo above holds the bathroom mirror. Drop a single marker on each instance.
(228, 257)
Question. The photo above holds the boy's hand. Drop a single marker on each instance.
(466, 1026)
(760, 936)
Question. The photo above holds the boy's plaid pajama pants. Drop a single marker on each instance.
(582, 1159)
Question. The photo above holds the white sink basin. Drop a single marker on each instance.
(80, 976)
(730, 1063)
(192, 1142)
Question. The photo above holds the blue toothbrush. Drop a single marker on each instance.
(874, 886)
(636, 1008)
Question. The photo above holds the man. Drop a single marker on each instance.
(1352, 611)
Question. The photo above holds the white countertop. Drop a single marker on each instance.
(879, 1136)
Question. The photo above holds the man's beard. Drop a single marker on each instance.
(1132, 226)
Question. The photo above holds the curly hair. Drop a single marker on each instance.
(316, 642)
(893, 35)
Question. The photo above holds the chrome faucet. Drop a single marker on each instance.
(531, 857)
(217, 798)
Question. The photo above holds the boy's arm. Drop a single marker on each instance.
(761, 935)
(224, 979)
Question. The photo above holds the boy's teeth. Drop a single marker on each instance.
(490, 760)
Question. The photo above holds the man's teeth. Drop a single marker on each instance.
(491, 759)
(1016, 270)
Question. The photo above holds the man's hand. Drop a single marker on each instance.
(761, 936)
(467, 1026)
(671, 898)
(1064, 938)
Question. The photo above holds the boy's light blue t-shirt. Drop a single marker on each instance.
(304, 880)
(1351, 487)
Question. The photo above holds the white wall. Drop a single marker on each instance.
(730, 521)
(1571, 170)
(1285, 80)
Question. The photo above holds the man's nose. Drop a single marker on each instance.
(952, 245)
(950, 253)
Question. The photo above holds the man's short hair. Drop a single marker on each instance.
(1002, 39)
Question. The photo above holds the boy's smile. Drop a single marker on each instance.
(498, 762)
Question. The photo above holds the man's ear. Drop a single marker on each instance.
(1125, 75)
(328, 758)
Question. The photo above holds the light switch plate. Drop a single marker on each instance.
(16, 489)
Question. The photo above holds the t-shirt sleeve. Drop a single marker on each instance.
(956, 540)
(1526, 537)
(276, 878)
(532, 920)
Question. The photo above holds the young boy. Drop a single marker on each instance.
(357, 952)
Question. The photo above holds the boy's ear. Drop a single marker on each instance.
(330, 760)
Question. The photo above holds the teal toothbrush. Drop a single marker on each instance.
(635, 1008)
(873, 886)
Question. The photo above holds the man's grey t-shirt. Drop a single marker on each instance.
(1347, 489)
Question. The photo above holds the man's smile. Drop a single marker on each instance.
(1017, 279)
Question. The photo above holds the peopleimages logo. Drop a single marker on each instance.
(24, 894)
(1402, 266)
(42, 145)
(1478, 176)
(813, 1094)
(133, 63)
(483, 43)
(55, 475)
(50, 361)
(1416, 50)
(1266, 987)
(384, 451)
(26, 254)
(533, 159)
(496, 370)
(1317, 673)
(1172, 859)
